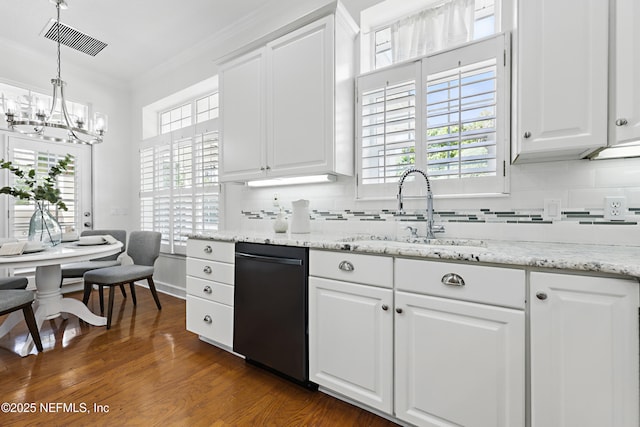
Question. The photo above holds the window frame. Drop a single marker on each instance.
(467, 187)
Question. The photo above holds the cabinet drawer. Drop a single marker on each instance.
(210, 249)
(350, 267)
(213, 291)
(210, 270)
(488, 285)
(211, 320)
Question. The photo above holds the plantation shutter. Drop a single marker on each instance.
(179, 185)
(464, 96)
(387, 103)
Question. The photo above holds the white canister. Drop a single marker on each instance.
(300, 221)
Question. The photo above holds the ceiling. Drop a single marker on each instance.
(141, 34)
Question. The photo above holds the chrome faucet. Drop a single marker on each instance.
(431, 228)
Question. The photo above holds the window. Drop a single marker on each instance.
(407, 35)
(176, 118)
(207, 108)
(461, 98)
(179, 185)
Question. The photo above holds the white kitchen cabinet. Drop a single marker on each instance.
(562, 79)
(584, 351)
(351, 328)
(459, 362)
(242, 97)
(294, 114)
(210, 279)
(626, 115)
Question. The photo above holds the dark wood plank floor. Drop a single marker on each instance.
(148, 370)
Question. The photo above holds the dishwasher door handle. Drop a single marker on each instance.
(271, 259)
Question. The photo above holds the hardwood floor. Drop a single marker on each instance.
(149, 370)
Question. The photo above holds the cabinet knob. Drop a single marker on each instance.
(452, 279)
(527, 134)
(207, 289)
(398, 310)
(621, 122)
(268, 168)
(207, 269)
(262, 168)
(541, 296)
(207, 319)
(346, 266)
(208, 249)
(385, 307)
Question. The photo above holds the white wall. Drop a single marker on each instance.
(114, 190)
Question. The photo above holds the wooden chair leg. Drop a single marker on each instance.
(101, 299)
(133, 292)
(111, 298)
(33, 327)
(124, 293)
(152, 286)
(87, 293)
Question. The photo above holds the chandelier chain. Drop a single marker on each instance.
(58, 30)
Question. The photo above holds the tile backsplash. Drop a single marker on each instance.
(580, 185)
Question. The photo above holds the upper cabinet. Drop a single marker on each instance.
(625, 119)
(287, 108)
(562, 78)
(242, 97)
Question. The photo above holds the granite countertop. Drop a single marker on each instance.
(622, 260)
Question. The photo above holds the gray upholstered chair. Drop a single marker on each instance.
(20, 299)
(13, 282)
(78, 269)
(144, 249)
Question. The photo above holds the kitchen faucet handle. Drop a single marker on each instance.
(412, 230)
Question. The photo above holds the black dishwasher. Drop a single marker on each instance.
(270, 308)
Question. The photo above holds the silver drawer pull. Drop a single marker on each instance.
(346, 266)
(541, 296)
(207, 319)
(207, 289)
(208, 249)
(452, 279)
(207, 269)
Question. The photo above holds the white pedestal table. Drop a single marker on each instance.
(49, 302)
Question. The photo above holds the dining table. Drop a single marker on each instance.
(49, 302)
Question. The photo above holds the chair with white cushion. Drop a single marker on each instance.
(144, 249)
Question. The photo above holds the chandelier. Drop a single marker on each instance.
(56, 124)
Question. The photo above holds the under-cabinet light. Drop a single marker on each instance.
(292, 180)
(630, 149)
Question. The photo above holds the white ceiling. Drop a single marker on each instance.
(141, 34)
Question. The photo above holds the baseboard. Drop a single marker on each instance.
(166, 288)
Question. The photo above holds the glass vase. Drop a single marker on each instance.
(44, 228)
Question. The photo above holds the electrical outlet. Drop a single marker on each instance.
(276, 200)
(615, 208)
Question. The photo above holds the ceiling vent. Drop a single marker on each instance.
(73, 38)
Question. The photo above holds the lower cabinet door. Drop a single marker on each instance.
(211, 320)
(351, 340)
(458, 363)
(584, 351)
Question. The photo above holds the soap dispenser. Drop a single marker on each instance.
(280, 224)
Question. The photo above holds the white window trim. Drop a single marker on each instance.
(442, 188)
